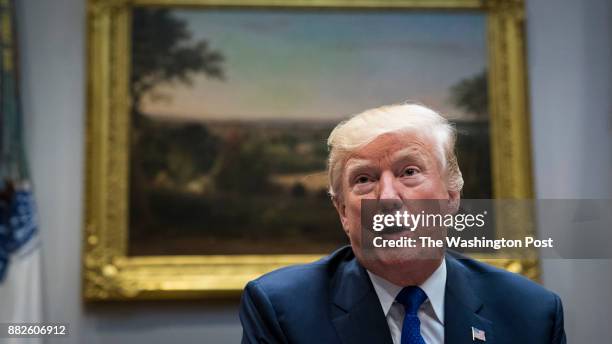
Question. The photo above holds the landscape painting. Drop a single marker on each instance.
(231, 109)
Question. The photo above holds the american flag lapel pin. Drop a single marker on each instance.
(478, 334)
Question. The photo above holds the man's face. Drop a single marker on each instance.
(398, 167)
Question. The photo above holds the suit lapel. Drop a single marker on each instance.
(462, 307)
(356, 311)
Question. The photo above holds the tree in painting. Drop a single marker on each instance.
(164, 52)
(171, 56)
(470, 95)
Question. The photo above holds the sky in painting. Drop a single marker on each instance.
(325, 65)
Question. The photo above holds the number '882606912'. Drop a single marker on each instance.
(34, 330)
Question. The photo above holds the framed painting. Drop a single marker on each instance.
(207, 125)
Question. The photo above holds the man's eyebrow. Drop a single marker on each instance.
(356, 164)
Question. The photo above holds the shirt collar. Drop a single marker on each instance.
(433, 287)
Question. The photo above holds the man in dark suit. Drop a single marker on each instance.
(396, 295)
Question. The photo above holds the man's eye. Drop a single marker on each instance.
(362, 180)
(410, 171)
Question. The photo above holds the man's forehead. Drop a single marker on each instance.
(391, 146)
(412, 152)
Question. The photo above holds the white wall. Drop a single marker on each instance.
(570, 69)
(569, 53)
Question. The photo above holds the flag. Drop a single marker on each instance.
(478, 334)
(20, 275)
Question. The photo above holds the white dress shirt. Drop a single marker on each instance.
(431, 312)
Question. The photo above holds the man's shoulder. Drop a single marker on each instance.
(297, 280)
(285, 305)
(508, 299)
(491, 280)
(294, 276)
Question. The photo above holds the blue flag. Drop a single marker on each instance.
(17, 211)
(20, 262)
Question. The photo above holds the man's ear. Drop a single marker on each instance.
(341, 209)
(454, 198)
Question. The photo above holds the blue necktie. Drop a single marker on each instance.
(411, 298)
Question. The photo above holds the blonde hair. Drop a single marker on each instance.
(364, 127)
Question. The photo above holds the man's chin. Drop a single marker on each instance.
(400, 257)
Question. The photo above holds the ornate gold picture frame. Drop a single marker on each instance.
(110, 273)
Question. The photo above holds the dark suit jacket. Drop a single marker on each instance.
(333, 301)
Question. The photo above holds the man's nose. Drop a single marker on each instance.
(388, 195)
(387, 186)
